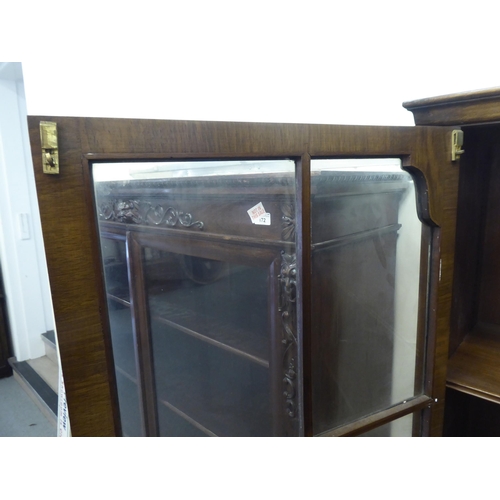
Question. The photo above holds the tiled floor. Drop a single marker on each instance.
(19, 415)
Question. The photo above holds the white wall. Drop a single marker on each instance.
(21, 244)
(326, 61)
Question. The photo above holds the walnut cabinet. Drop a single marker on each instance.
(473, 377)
(233, 279)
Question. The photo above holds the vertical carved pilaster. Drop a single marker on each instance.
(288, 310)
(288, 221)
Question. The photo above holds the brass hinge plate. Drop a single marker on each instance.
(50, 150)
(457, 141)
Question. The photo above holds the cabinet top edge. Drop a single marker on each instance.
(474, 95)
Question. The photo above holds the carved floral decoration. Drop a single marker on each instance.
(287, 307)
(136, 212)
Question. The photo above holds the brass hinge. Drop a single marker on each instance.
(457, 141)
(50, 152)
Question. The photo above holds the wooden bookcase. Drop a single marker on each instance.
(474, 364)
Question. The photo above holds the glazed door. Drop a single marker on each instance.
(244, 280)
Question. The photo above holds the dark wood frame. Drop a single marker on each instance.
(72, 244)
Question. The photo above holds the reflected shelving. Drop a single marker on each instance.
(203, 297)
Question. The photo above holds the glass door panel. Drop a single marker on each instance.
(122, 335)
(366, 261)
(209, 248)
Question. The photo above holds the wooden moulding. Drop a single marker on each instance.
(478, 106)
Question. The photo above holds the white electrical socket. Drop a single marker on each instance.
(24, 226)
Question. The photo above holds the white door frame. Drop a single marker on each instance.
(22, 253)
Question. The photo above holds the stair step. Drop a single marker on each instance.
(50, 336)
(49, 339)
(37, 388)
(47, 369)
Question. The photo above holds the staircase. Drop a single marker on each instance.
(40, 378)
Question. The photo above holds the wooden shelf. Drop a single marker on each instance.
(475, 367)
(238, 324)
(182, 392)
(126, 374)
(120, 297)
(234, 339)
(211, 392)
(188, 419)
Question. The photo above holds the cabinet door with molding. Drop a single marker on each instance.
(245, 279)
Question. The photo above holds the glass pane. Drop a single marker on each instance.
(210, 249)
(366, 258)
(122, 336)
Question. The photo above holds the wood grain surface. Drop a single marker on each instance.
(478, 106)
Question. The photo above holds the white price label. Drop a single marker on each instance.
(264, 220)
(258, 215)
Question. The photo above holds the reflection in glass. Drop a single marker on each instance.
(206, 259)
(366, 242)
(200, 267)
(122, 336)
(211, 346)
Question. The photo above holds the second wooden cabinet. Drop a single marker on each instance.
(473, 371)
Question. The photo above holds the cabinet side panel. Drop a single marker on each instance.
(74, 266)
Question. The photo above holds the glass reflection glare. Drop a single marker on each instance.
(366, 268)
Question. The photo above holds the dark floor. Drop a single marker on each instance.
(19, 415)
